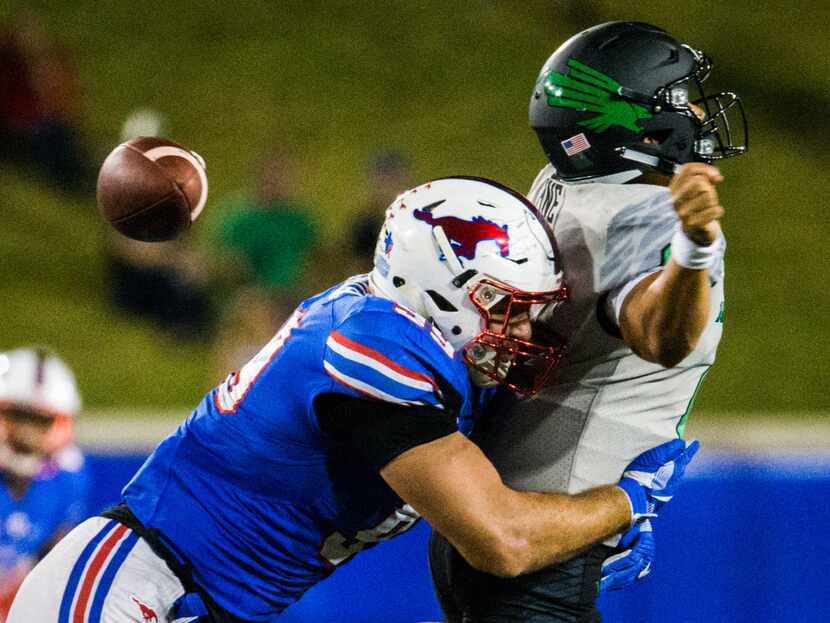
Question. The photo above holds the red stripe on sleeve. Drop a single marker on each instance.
(373, 354)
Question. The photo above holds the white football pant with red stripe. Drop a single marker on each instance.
(101, 572)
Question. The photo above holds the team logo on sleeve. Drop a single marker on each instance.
(464, 236)
(147, 613)
(586, 89)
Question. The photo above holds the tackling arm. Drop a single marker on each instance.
(497, 529)
(450, 482)
(665, 314)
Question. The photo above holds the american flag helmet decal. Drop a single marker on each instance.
(575, 144)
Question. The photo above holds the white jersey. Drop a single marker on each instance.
(607, 405)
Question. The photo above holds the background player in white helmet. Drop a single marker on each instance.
(42, 481)
(631, 195)
(342, 432)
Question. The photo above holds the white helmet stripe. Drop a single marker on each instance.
(446, 248)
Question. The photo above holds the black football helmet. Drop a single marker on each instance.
(615, 99)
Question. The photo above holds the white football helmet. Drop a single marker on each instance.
(35, 383)
(460, 250)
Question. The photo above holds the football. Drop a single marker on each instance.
(151, 189)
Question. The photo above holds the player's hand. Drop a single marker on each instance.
(696, 201)
(651, 479)
(631, 564)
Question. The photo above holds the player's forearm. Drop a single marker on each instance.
(549, 528)
(495, 528)
(665, 316)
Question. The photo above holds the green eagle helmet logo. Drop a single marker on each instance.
(584, 88)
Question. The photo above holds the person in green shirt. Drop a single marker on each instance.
(271, 233)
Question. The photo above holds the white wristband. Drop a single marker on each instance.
(689, 254)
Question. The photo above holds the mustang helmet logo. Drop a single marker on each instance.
(464, 236)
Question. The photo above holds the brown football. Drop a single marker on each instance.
(151, 189)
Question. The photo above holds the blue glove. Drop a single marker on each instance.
(651, 479)
(625, 568)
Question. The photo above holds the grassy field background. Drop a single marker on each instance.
(447, 83)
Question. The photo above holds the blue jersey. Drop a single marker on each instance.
(251, 492)
(54, 502)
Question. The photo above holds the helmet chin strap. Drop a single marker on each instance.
(613, 178)
(650, 160)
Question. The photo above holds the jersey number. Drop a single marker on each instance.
(338, 548)
(234, 388)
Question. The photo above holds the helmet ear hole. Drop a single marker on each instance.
(443, 304)
(657, 137)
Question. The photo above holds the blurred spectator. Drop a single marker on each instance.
(166, 282)
(44, 482)
(271, 234)
(388, 173)
(39, 105)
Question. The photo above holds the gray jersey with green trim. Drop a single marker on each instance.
(607, 405)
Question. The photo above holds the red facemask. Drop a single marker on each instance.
(523, 365)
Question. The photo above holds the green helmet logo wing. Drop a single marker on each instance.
(585, 88)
